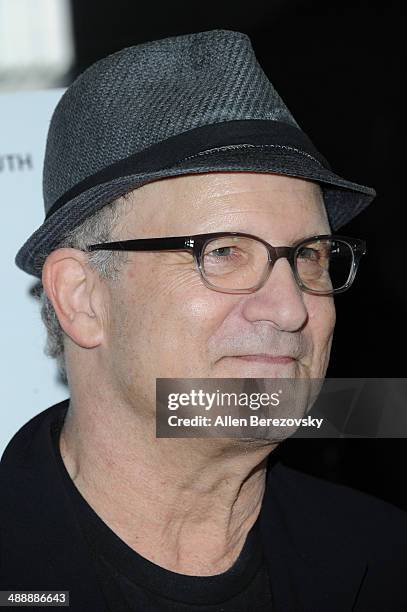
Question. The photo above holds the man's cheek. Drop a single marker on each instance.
(320, 326)
(173, 285)
(326, 335)
(321, 315)
(199, 310)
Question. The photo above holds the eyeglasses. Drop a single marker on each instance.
(235, 262)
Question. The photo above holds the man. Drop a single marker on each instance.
(185, 137)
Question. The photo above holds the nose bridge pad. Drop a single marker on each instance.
(197, 262)
(272, 264)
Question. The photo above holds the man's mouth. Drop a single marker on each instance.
(265, 358)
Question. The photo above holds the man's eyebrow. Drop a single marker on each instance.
(293, 240)
(303, 236)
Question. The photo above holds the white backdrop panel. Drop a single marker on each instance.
(28, 378)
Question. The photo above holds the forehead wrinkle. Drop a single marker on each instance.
(179, 206)
(234, 184)
(230, 207)
(250, 201)
(230, 219)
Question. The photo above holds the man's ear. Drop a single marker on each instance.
(73, 288)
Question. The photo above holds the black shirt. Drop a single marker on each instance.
(326, 547)
(132, 583)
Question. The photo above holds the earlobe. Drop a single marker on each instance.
(72, 287)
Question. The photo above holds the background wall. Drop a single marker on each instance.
(28, 378)
(338, 67)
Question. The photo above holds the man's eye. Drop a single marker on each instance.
(309, 254)
(221, 252)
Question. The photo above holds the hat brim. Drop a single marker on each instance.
(343, 199)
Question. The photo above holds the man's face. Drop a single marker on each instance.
(162, 321)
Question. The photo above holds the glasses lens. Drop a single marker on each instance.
(234, 262)
(324, 265)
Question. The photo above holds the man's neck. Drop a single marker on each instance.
(184, 504)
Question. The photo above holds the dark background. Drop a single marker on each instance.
(338, 67)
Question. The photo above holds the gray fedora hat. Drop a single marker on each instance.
(181, 105)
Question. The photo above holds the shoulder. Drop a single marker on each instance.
(28, 458)
(328, 494)
(371, 523)
(22, 446)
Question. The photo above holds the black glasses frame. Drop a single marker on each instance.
(197, 243)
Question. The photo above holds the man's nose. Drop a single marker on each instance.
(279, 301)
